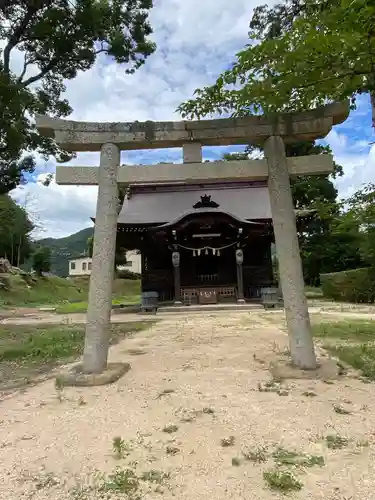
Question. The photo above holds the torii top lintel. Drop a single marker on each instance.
(293, 127)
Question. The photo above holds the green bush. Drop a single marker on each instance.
(125, 274)
(355, 285)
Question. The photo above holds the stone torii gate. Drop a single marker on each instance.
(269, 133)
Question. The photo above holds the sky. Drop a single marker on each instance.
(196, 40)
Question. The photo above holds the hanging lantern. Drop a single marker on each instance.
(199, 252)
(213, 251)
(194, 253)
(206, 252)
(218, 253)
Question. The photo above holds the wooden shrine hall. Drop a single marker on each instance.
(203, 243)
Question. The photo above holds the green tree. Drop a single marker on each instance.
(360, 217)
(15, 229)
(58, 39)
(309, 51)
(41, 260)
(324, 248)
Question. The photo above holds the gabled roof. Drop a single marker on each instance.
(163, 207)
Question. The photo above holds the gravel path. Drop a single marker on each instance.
(200, 374)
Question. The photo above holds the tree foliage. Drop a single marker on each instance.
(321, 247)
(41, 260)
(15, 229)
(301, 54)
(360, 217)
(57, 39)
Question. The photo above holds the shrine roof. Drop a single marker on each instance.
(165, 206)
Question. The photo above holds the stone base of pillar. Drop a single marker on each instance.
(241, 301)
(178, 303)
(77, 378)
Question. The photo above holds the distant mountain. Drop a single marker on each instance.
(64, 249)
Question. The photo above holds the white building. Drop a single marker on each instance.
(82, 265)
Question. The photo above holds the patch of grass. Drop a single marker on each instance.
(120, 448)
(38, 291)
(81, 307)
(292, 458)
(336, 442)
(354, 330)
(351, 342)
(170, 429)
(258, 455)
(27, 350)
(283, 481)
(208, 411)
(361, 357)
(341, 410)
(313, 292)
(229, 441)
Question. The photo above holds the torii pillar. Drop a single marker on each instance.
(288, 253)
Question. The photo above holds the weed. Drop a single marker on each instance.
(170, 429)
(120, 448)
(209, 411)
(47, 481)
(172, 450)
(286, 457)
(122, 481)
(259, 455)
(81, 401)
(155, 476)
(309, 394)
(229, 441)
(336, 442)
(341, 410)
(363, 443)
(165, 393)
(273, 385)
(283, 481)
(236, 462)
(282, 392)
(59, 387)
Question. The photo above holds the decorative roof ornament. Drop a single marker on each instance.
(206, 202)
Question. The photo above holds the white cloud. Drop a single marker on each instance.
(196, 40)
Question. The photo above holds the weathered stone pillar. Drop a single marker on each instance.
(102, 274)
(192, 152)
(177, 277)
(290, 265)
(239, 262)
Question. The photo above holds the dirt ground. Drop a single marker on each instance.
(201, 375)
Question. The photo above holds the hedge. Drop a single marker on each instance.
(355, 285)
(126, 274)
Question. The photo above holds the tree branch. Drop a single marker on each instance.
(40, 75)
(25, 65)
(15, 37)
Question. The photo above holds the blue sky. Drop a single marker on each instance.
(196, 41)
